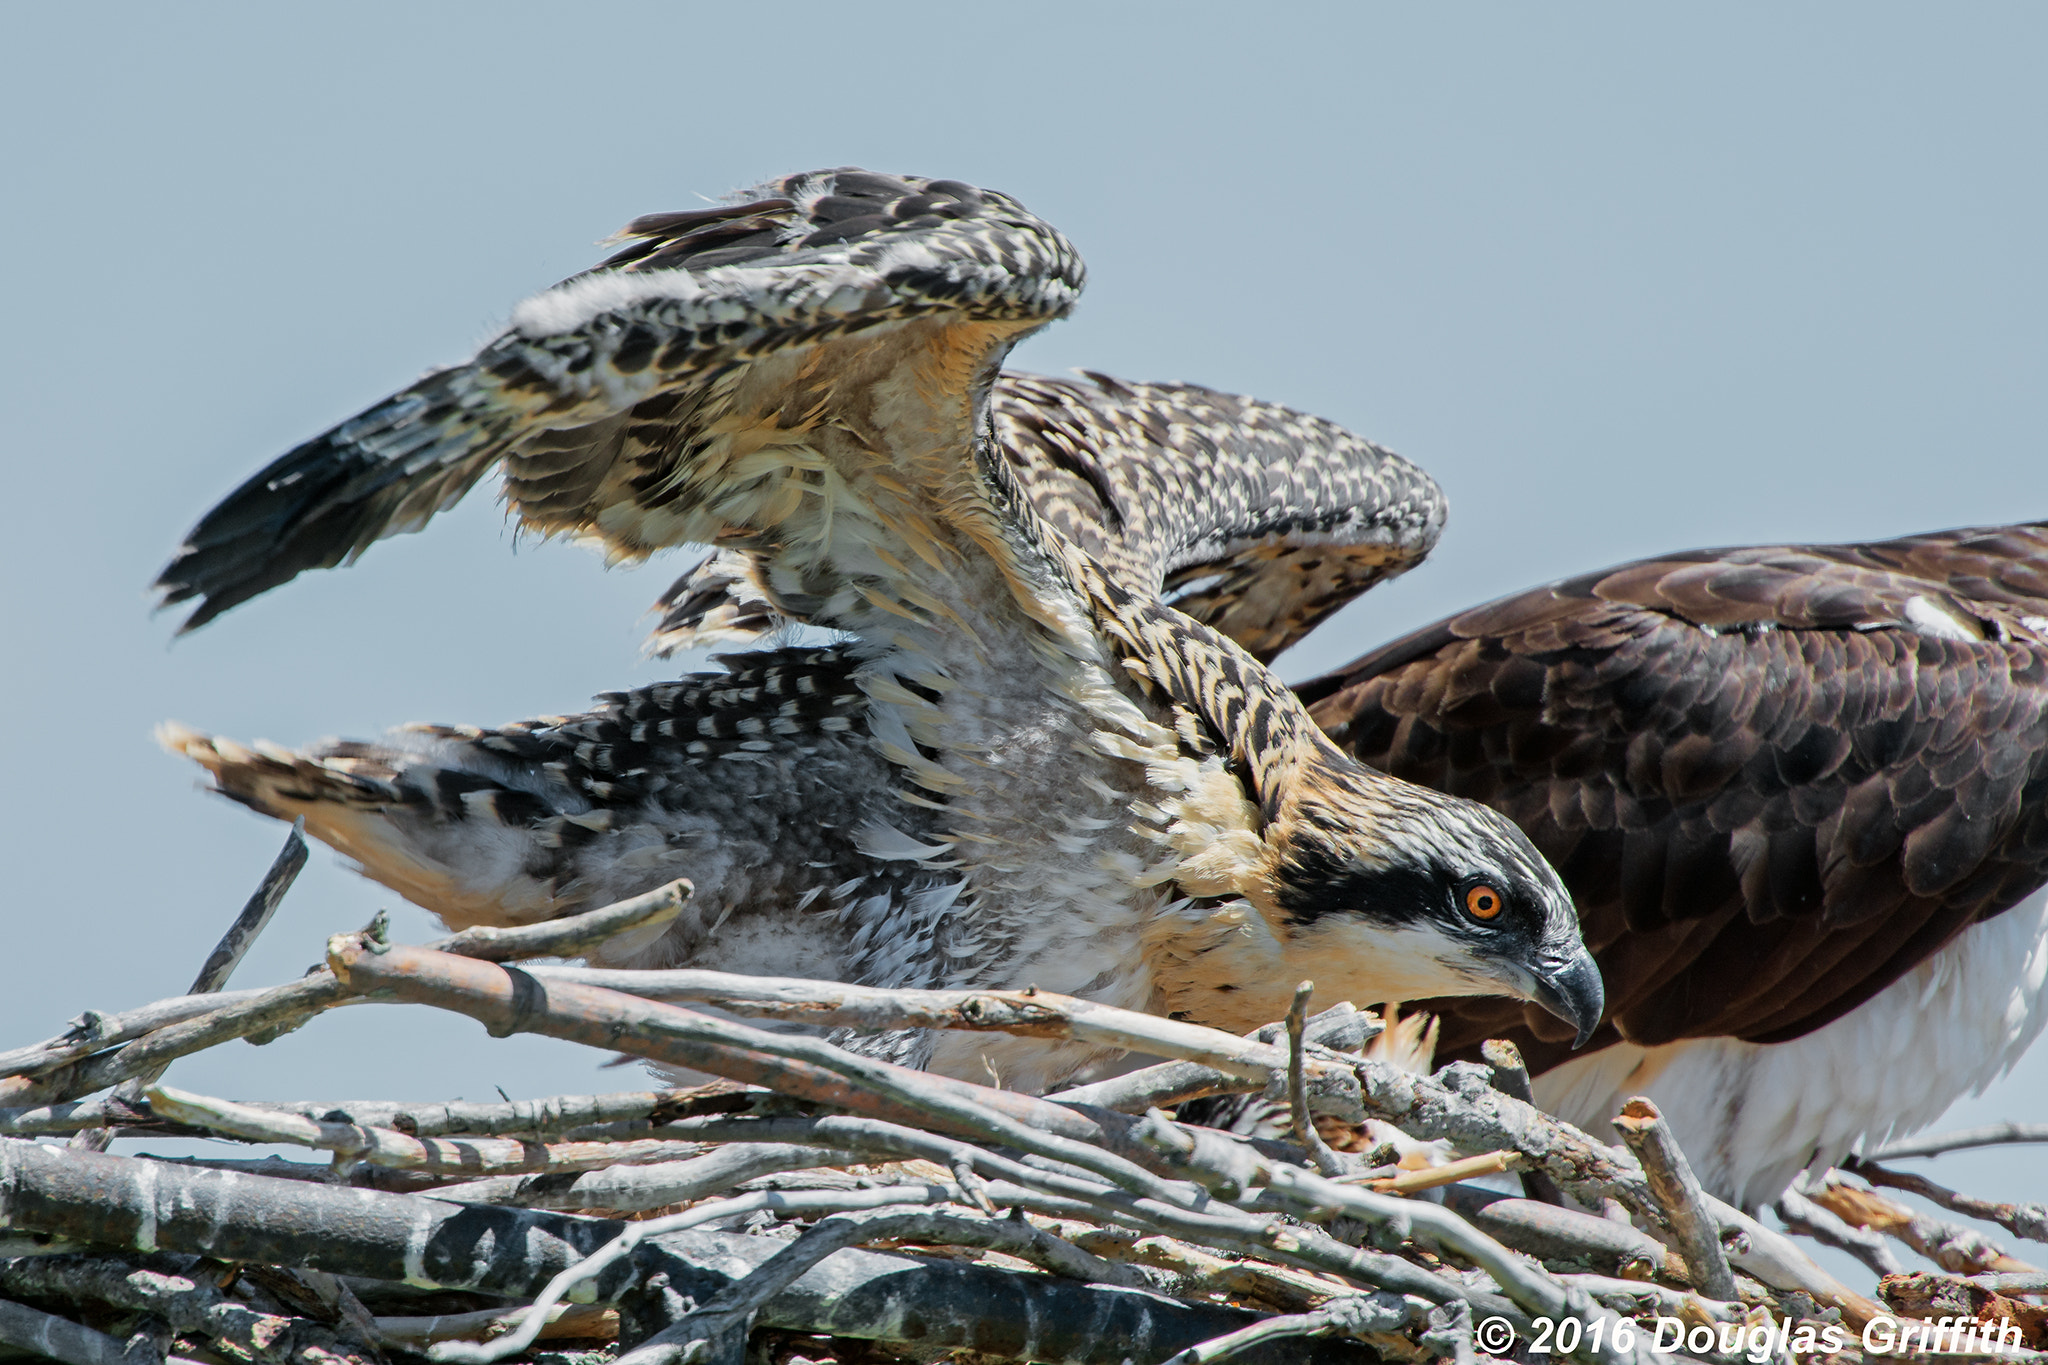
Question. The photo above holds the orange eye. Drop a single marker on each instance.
(1483, 902)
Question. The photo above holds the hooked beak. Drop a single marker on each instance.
(1572, 990)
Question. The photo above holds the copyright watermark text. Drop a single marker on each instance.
(1759, 1342)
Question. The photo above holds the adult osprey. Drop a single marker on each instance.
(1800, 795)
(1024, 768)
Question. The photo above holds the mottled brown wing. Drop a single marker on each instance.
(1254, 519)
(1775, 779)
(682, 391)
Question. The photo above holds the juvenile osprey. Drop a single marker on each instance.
(1024, 768)
(1800, 794)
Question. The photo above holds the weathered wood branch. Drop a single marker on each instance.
(288, 1006)
(122, 1202)
(189, 1303)
(61, 1339)
(1166, 1084)
(467, 1157)
(1679, 1195)
(1987, 1135)
(2021, 1220)
(1953, 1247)
(1029, 1013)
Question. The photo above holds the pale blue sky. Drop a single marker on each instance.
(1624, 278)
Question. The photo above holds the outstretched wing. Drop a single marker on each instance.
(739, 374)
(1254, 519)
(1774, 779)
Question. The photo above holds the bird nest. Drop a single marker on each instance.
(819, 1205)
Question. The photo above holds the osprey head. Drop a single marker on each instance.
(1396, 892)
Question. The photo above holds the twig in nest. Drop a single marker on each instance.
(570, 1321)
(220, 964)
(1511, 1078)
(352, 1142)
(1678, 1191)
(1953, 1247)
(872, 1009)
(61, 1339)
(631, 1189)
(1989, 1135)
(189, 1303)
(1332, 1087)
(1327, 1161)
(1351, 1315)
(286, 1007)
(2021, 1220)
(511, 1253)
(1802, 1215)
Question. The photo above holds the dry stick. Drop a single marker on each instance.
(122, 1201)
(571, 1321)
(809, 1068)
(220, 964)
(1511, 1077)
(826, 1075)
(552, 1118)
(1529, 1286)
(1327, 1161)
(191, 1304)
(1029, 1013)
(1351, 1315)
(621, 1249)
(2021, 1220)
(1170, 1083)
(1552, 1233)
(1989, 1135)
(93, 1031)
(1803, 1216)
(1460, 1105)
(727, 1316)
(1957, 1249)
(63, 1340)
(635, 1188)
(1315, 1198)
(1678, 1191)
(1432, 1177)
(388, 1147)
(288, 1006)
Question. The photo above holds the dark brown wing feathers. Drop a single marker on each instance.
(1775, 779)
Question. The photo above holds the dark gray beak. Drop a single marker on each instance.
(1572, 990)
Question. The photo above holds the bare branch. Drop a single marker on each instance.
(1804, 1216)
(1351, 1315)
(93, 1032)
(570, 1321)
(1551, 1233)
(2021, 1220)
(1511, 1078)
(220, 964)
(349, 1142)
(188, 1303)
(256, 915)
(1988, 1135)
(61, 1339)
(654, 1186)
(1169, 1083)
(1953, 1247)
(1678, 1193)
(571, 935)
(1327, 1161)
(1034, 1014)
(286, 1007)
(511, 1253)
